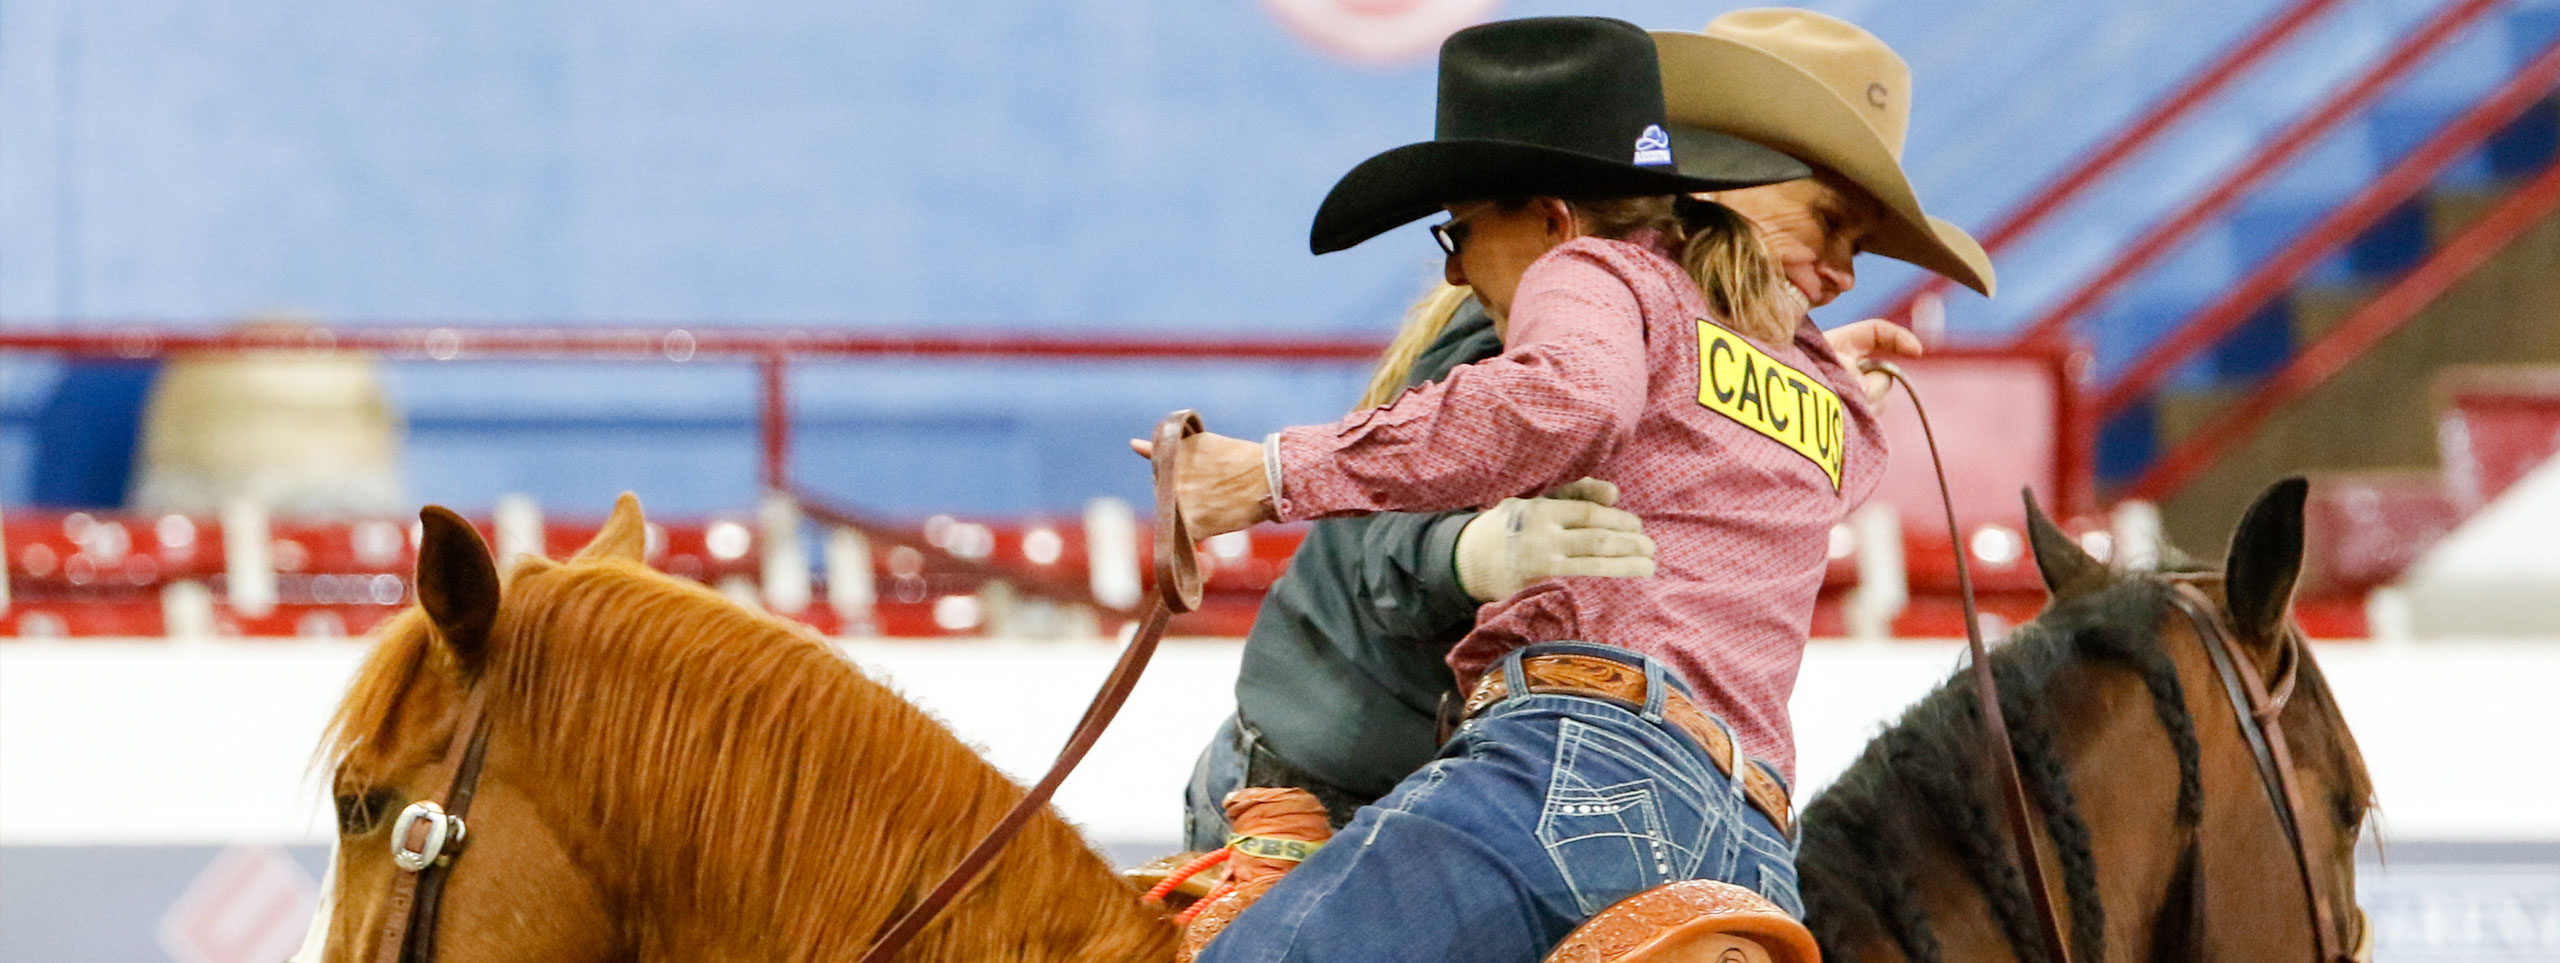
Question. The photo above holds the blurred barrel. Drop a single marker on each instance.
(303, 433)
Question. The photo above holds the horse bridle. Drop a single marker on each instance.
(428, 837)
(2260, 710)
(2251, 700)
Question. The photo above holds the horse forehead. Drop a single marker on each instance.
(408, 731)
(2313, 717)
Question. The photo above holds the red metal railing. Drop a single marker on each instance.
(773, 420)
(450, 343)
(2396, 186)
(2368, 326)
(771, 351)
(2069, 477)
(2157, 242)
(2136, 134)
(1030, 581)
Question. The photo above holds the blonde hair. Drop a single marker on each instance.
(1720, 248)
(1422, 325)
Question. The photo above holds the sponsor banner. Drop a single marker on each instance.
(250, 905)
(2462, 914)
(1379, 31)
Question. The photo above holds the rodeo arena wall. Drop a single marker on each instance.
(863, 300)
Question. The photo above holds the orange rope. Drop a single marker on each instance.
(1188, 870)
(1275, 814)
(1184, 918)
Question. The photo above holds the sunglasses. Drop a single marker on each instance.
(1451, 233)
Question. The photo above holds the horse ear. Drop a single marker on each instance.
(2265, 560)
(2069, 571)
(457, 584)
(625, 535)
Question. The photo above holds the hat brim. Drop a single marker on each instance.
(1712, 84)
(1408, 183)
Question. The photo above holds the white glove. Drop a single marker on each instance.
(1570, 531)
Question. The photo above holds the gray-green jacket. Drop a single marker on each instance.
(1343, 673)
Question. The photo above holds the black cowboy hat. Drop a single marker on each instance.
(1541, 106)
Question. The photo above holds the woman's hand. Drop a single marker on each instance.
(1873, 338)
(1220, 484)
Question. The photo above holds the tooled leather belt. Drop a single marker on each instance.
(1617, 682)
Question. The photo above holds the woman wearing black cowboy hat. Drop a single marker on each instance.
(1342, 670)
(1648, 344)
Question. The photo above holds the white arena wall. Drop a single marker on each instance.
(168, 743)
(113, 749)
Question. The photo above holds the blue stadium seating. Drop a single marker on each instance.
(1145, 168)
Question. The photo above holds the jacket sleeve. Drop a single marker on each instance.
(1407, 565)
(1407, 568)
(1550, 409)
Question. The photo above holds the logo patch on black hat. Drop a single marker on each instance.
(1653, 147)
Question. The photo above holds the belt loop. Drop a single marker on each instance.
(1741, 784)
(1248, 739)
(1657, 687)
(1514, 678)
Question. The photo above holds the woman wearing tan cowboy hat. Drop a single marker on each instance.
(1833, 96)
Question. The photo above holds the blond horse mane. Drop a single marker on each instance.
(769, 789)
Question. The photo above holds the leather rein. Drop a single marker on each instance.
(1995, 728)
(429, 834)
(2257, 708)
(1177, 571)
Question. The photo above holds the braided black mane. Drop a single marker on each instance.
(1917, 783)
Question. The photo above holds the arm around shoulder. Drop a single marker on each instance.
(1550, 409)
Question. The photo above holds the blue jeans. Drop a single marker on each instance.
(1237, 758)
(1543, 810)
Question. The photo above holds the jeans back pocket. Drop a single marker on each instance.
(1606, 824)
(1607, 842)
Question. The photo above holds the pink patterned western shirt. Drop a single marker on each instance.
(1739, 457)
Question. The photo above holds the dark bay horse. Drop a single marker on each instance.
(672, 777)
(2167, 842)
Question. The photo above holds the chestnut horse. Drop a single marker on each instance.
(2151, 799)
(670, 776)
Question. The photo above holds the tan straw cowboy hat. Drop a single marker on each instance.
(1828, 93)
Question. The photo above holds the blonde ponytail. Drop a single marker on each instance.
(1422, 326)
(1721, 250)
(1725, 255)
